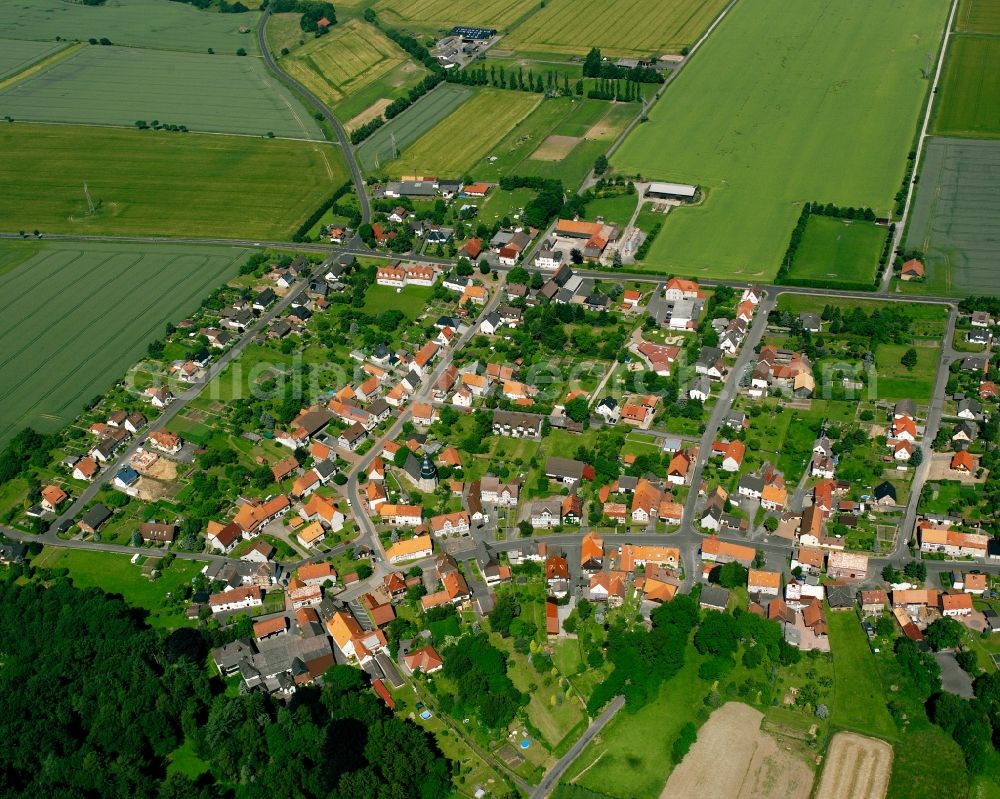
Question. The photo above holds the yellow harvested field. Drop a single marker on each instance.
(634, 28)
(857, 767)
(371, 112)
(466, 135)
(348, 58)
(447, 13)
(754, 766)
(555, 148)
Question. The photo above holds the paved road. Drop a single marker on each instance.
(931, 425)
(551, 778)
(338, 129)
(897, 240)
(175, 407)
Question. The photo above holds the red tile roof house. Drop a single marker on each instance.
(425, 660)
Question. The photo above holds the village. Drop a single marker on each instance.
(551, 445)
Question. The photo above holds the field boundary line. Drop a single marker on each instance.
(41, 65)
(911, 187)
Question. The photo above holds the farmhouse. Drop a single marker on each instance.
(594, 235)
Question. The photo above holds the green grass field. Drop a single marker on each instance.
(978, 16)
(18, 55)
(346, 61)
(74, 317)
(631, 759)
(969, 97)
(115, 574)
(413, 123)
(466, 135)
(132, 23)
(443, 14)
(632, 28)
(954, 217)
(859, 703)
(838, 250)
(771, 114)
(896, 382)
(411, 301)
(159, 183)
(119, 85)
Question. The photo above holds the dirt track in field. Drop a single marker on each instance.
(754, 765)
(856, 768)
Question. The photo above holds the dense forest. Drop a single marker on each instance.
(95, 702)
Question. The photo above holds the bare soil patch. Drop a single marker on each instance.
(600, 130)
(940, 469)
(754, 766)
(857, 767)
(555, 148)
(371, 112)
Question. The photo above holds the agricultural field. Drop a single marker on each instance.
(116, 574)
(159, 183)
(443, 14)
(413, 123)
(754, 764)
(838, 250)
(130, 23)
(955, 219)
(978, 16)
(348, 60)
(969, 97)
(119, 85)
(791, 120)
(855, 766)
(633, 28)
(73, 321)
(466, 135)
(16, 56)
(859, 702)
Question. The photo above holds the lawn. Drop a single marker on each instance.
(634, 28)
(16, 56)
(383, 145)
(115, 574)
(978, 16)
(969, 97)
(443, 14)
(929, 319)
(954, 217)
(119, 85)
(466, 135)
(838, 251)
(616, 210)
(631, 758)
(411, 301)
(131, 23)
(345, 61)
(159, 183)
(73, 322)
(896, 382)
(859, 703)
(789, 120)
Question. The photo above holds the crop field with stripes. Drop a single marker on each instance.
(630, 28)
(16, 56)
(955, 220)
(344, 61)
(74, 317)
(438, 14)
(120, 85)
(978, 16)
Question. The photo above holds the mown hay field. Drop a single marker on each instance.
(74, 317)
(344, 61)
(629, 28)
(771, 114)
(438, 14)
(159, 183)
(969, 97)
(132, 23)
(120, 85)
(466, 135)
